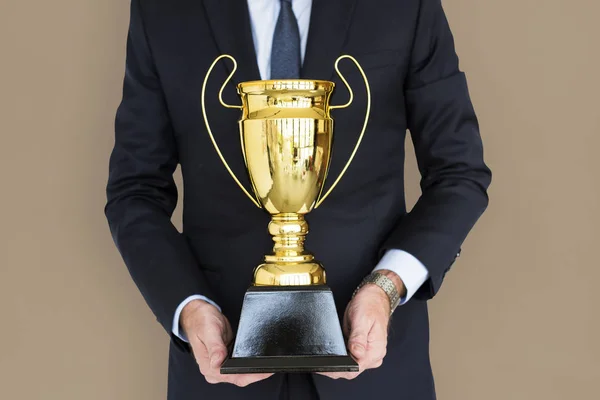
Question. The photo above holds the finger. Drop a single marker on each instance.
(359, 333)
(248, 379)
(227, 334)
(376, 346)
(346, 322)
(374, 361)
(220, 378)
(216, 348)
(238, 380)
(332, 375)
(340, 375)
(201, 355)
(217, 354)
(376, 352)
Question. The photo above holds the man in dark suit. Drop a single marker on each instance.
(195, 281)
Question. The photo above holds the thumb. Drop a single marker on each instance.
(357, 342)
(217, 351)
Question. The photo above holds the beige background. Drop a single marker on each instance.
(517, 317)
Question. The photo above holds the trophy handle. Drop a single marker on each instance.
(212, 138)
(364, 127)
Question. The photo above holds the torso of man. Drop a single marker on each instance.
(407, 52)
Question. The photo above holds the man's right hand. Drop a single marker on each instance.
(209, 333)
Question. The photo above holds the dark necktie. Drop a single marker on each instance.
(285, 54)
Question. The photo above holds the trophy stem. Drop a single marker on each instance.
(289, 231)
(290, 264)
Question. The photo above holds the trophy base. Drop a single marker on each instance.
(289, 329)
(289, 364)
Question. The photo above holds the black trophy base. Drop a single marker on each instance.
(289, 329)
(289, 364)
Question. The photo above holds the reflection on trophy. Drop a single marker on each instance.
(289, 321)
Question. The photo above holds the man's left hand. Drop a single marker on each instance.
(366, 326)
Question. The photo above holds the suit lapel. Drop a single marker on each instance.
(230, 23)
(329, 22)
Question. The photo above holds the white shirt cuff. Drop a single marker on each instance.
(176, 328)
(412, 272)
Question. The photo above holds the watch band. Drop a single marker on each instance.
(386, 284)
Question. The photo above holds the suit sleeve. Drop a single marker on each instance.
(141, 191)
(448, 147)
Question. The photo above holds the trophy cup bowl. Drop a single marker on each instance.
(286, 139)
(289, 321)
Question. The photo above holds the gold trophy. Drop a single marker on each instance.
(289, 321)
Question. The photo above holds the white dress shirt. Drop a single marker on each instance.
(263, 18)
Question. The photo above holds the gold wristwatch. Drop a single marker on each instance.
(386, 284)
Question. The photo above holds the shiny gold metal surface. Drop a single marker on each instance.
(286, 134)
(289, 264)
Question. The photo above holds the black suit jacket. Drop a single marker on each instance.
(407, 51)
